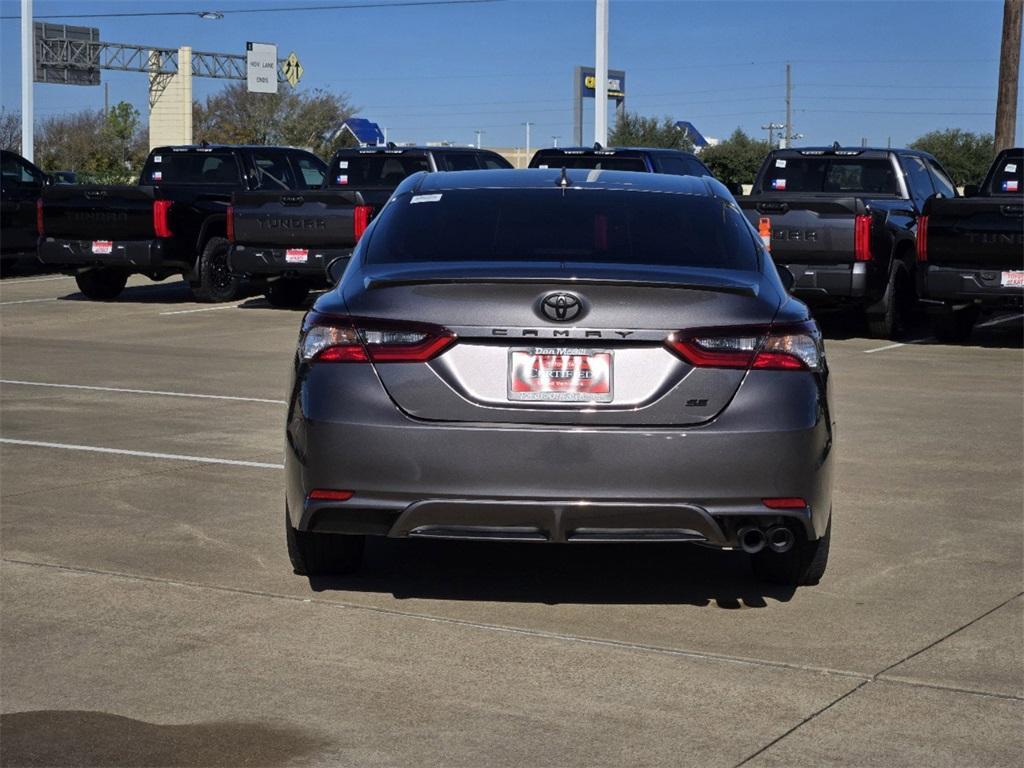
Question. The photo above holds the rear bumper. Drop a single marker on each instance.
(137, 255)
(556, 483)
(950, 285)
(256, 261)
(822, 282)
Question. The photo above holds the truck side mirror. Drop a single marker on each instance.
(970, 190)
(786, 276)
(336, 268)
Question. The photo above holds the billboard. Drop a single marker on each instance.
(616, 83)
(261, 67)
(66, 55)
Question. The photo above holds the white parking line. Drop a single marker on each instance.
(26, 301)
(143, 454)
(201, 309)
(20, 280)
(18, 382)
(1001, 320)
(882, 349)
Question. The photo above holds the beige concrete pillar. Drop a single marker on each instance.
(170, 102)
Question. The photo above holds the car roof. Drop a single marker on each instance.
(549, 178)
(196, 147)
(399, 150)
(866, 152)
(611, 150)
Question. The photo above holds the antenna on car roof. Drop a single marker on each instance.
(835, 146)
(597, 145)
(391, 145)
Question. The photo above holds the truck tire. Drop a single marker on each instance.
(101, 283)
(323, 554)
(216, 282)
(955, 325)
(287, 293)
(802, 566)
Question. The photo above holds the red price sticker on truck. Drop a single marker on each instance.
(296, 255)
(102, 246)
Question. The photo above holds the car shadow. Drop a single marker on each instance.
(622, 574)
(79, 737)
(170, 292)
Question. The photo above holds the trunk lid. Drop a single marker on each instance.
(976, 233)
(297, 218)
(808, 229)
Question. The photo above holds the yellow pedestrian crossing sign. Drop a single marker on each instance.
(292, 69)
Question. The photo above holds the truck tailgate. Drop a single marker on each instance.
(306, 218)
(976, 233)
(98, 212)
(807, 229)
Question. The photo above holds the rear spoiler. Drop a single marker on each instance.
(741, 289)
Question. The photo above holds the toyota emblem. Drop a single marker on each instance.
(561, 307)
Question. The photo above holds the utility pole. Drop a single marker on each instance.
(28, 66)
(106, 99)
(601, 75)
(478, 133)
(771, 128)
(1009, 76)
(554, 140)
(788, 135)
(527, 124)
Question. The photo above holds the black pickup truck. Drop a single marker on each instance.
(844, 222)
(21, 183)
(642, 159)
(289, 238)
(970, 251)
(173, 222)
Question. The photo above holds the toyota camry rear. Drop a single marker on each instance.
(561, 356)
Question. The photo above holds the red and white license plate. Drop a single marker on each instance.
(1013, 279)
(296, 255)
(560, 375)
(102, 246)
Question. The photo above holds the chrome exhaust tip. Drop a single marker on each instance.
(751, 539)
(780, 539)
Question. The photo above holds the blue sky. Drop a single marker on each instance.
(878, 70)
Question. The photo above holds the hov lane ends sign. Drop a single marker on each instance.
(261, 69)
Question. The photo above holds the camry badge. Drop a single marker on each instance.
(561, 307)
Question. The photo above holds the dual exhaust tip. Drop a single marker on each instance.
(778, 538)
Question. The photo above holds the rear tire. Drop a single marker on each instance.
(101, 283)
(287, 294)
(323, 554)
(216, 281)
(802, 566)
(956, 325)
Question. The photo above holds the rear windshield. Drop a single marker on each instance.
(829, 174)
(1006, 177)
(191, 168)
(610, 226)
(376, 170)
(598, 162)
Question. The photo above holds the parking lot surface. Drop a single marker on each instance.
(150, 617)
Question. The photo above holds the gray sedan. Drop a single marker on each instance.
(561, 356)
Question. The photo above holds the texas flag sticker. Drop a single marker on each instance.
(342, 179)
(1011, 185)
(778, 183)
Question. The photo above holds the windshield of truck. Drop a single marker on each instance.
(598, 162)
(375, 170)
(199, 167)
(1006, 177)
(836, 175)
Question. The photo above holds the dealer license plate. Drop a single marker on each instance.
(296, 255)
(557, 374)
(1013, 279)
(102, 246)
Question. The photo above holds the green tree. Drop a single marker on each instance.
(635, 130)
(309, 119)
(737, 159)
(100, 149)
(122, 128)
(10, 130)
(966, 156)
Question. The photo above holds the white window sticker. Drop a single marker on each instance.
(343, 164)
(425, 199)
(542, 166)
(780, 163)
(1011, 168)
(158, 158)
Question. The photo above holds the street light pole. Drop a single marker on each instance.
(478, 133)
(27, 74)
(527, 124)
(554, 139)
(601, 75)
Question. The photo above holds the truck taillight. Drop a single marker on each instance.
(333, 339)
(161, 225)
(361, 219)
(795, 347)
(39, 217)
(230, 224)
(922, 239)
(862, 238)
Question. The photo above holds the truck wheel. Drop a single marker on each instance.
(322, 554)
(287, 293)
(955, 325)
(802, 566)
(101, 283)
(216, 282)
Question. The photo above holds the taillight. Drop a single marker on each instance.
(332, 339)
(794, 347)
(161, 226)
(361, 219)
(39, 216)
(229, 225)
(922, 239)
(862, 238)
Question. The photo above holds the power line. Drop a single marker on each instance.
(220, 13)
